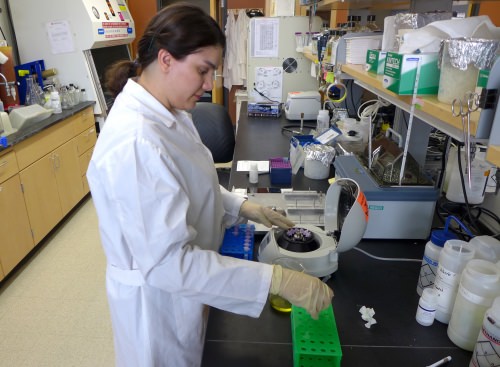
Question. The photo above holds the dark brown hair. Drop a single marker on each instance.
(180, 28)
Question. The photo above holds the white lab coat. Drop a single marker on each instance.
(161, 219)
(230, 69)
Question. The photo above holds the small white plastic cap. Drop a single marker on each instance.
(3, 58)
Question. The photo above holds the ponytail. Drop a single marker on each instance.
(117, 74)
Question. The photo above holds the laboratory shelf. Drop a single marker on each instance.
(326, 5)
(427, 109)
(310, 56)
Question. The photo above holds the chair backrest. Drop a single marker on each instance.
(216, 130)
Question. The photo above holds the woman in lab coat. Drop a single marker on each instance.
(162, 213)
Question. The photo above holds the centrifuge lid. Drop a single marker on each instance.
(346, 213)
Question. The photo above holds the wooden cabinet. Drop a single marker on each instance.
(41, 179)
(85, 142)
(84, 163)
(50, 170)
(17, 240)
(41, 195)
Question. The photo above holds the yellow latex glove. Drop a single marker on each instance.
(263, 215)
(301, 290)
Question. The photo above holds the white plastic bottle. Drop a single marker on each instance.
(323, 121)
(479, 285)
(432, 251)
(426, 310)
(55, 101)
(253, 175)
(452, 260)
(430, 260)
(486, 247)
(487, 349)
(83, 95)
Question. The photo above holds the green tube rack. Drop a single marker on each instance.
(315, 342)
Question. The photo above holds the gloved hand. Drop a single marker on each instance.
(263, 215)
(301, 290)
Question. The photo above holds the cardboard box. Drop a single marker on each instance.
(401, 69)
(375, 61)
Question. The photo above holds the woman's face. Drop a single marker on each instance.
(190, 78)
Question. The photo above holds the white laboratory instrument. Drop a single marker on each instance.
(79, 38)
(345, 218)
(298, 103)
(396, 212)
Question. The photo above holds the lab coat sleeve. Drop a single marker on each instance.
(152, 206)
(232, 204)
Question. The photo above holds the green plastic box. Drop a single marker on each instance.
(401, 69)
(375, 61)
(315, 342)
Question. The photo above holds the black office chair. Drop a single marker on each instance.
(216, 130)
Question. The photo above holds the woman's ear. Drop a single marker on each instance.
(164, 59)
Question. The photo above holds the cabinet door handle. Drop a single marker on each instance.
(3, 163)
(57, 161)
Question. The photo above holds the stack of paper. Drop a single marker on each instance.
(357, 47)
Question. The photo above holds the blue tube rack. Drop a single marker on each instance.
(239, 242)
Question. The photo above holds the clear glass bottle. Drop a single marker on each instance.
(357, 23)
(371, 25)
(335, 43)
(65, 103)
(71, 95)
(349, 27)
(76, 95)
(329, 46)
(32, 94)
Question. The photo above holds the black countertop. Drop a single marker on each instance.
(25, 133)
(261, 138)
(389, 287)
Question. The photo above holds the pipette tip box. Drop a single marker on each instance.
(239, 241)
(316, 343)
(280, 170)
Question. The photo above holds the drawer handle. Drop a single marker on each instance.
(57, 161)
(90, 132)
(3, 163)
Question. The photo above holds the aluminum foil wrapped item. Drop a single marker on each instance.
(320, 152)
(462, 52)
(409, 21)
(418, 20)
(460, 62)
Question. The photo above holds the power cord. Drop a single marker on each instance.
(263, 95)
(289, 128)
(462, 181)
(371, 110)
(386, 258)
